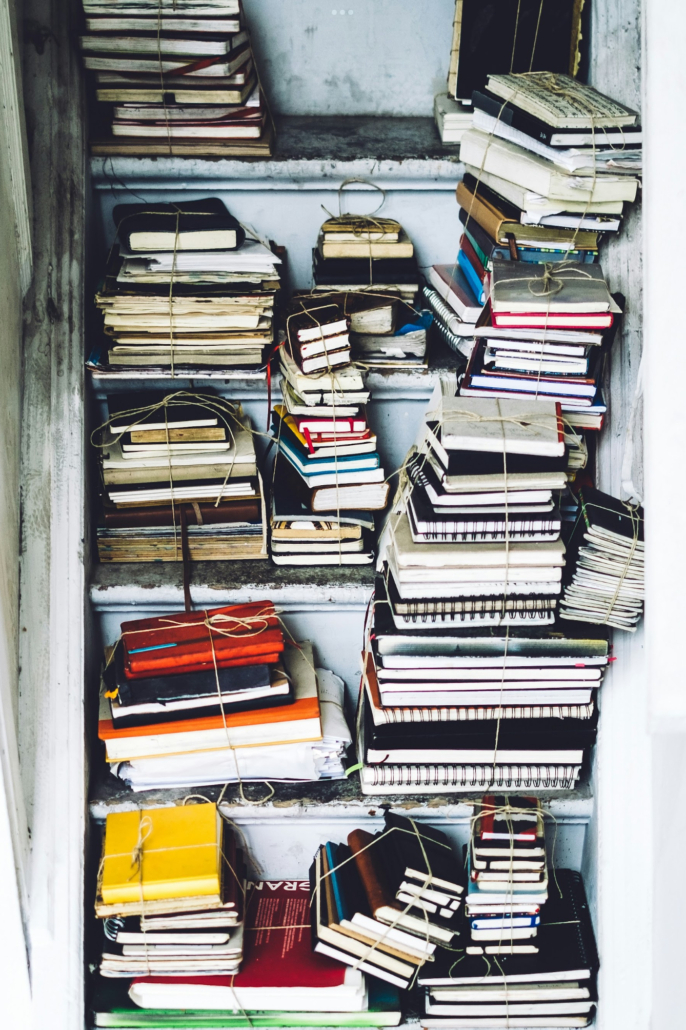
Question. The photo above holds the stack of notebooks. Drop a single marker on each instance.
(544, 335)
(605, 576)
(327, 463)
(215, 697)
(458, 292)
(508, 875)
(185, 293)
(282, 982)
(384, 903)
(175, 78)
(360, 252)
(465, 628)
(555, 162)
(549, 981)
(447, 324)
(482, 519)
(170, 892)
(179, 481)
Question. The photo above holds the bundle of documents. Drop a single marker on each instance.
(185, 293)
(547, 981)
(216, 697)
(176, 78)
(365, 253)
(544, 335)
(508, 874)
(557, 161)
(605, 576)
(179, 480)
(170, 892)
(281, 982)
(464, 627)
(384, 903)
(327, 471)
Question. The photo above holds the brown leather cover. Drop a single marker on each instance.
(247, 510)
(366, 862)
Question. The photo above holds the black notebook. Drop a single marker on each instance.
(407, 856)
(565, 941)
(181, 415)
(185, 225)
(357, 271)
(512, 734)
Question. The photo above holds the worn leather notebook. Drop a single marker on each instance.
(131, 517)
(202, 225)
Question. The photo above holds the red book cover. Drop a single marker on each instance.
(277, 950)
(184, 627)
(202, 654)
(472, 257)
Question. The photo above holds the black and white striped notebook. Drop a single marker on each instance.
(437, 779)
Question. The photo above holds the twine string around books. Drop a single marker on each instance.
(415, 833)
(361, 225)
(636, 520)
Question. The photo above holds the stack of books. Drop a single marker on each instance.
(605, 574)
(544, 335)
(555, 162)
(384, 903)
(327, 464)
(175, 78)
(185, 293)
(508, 875)
(361, 252)
(179, 480)
(464, 627)
(281, 982)
(456, 303)
(549, 981)
(215, 697)
(170, 892)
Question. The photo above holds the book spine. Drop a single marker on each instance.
(477, 209)
(472, 277)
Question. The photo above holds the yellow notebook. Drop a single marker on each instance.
(179, 851)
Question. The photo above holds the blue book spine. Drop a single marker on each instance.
(324, 466)
(342, 908)
(473, 279)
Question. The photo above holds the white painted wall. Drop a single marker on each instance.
(353, 57)
(15, 259)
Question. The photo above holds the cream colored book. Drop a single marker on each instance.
(531, 172)
(331, 246)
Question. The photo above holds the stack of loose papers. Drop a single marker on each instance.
(606, 573)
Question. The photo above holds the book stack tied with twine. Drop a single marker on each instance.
(282, 981)
(186, 292)
(174, 79)
(529, 956)
(217, 697)
(179, 480)
(327, 477)
(465, 638)
(502, 37)
(365, 253)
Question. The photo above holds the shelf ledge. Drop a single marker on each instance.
(311, 153)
